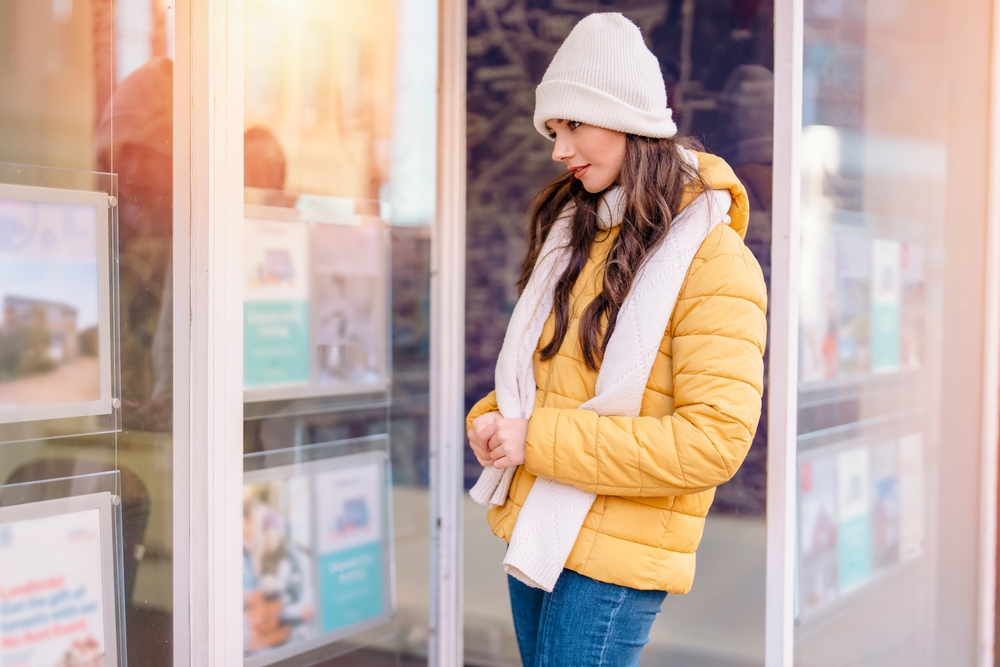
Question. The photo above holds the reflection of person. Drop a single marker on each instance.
(670, 397)
(265, 168)
(135, 141)
(263, 160)
(748, 115)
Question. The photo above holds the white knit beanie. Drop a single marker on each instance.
(604, 75)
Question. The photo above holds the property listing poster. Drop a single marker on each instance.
(351, 558)
(911, 496)
(51, 592)
(885, 505)
(278, 572)
(854, 294)
(818, 556)
(913, 323)
(276, 303)
(886, 305)
(50, 311)
(854, 519)
(352, 336)
(818, 305)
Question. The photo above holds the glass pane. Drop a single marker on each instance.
(88, 87)
(892, 207)
(340, 164)
(717, 60)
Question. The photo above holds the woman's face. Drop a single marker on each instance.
(594, 155)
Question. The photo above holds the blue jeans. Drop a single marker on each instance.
(582, 622)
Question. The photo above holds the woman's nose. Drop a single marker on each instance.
(562, 151)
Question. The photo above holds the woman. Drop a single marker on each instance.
(629, 382)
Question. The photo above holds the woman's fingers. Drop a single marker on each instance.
(485, 462)
(504, 462)
(482, 456)
(483, 428)
(487, 432)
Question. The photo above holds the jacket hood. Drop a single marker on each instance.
(720, 176)
(716, 173)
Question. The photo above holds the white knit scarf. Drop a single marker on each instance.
(553, 513)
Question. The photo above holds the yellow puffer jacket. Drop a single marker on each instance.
(654, 475)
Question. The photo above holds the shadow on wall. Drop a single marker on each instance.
(716, 57)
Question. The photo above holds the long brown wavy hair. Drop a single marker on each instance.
(654, 177)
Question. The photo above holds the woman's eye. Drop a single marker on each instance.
(573, 124)
(552, 136)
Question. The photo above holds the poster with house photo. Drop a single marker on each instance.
(55, 323)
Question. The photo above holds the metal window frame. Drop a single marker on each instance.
(447, 377)
(784, 335)
(990, 433)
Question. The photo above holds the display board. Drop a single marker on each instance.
(862, 307)
(317, 555)
(315, 307)
(861, 515)
(57, 583)
(56, 329)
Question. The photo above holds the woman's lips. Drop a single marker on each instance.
(579, 171)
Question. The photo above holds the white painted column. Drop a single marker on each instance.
(208, 333)
(784, 335)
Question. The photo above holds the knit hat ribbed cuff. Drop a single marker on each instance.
(574, 101)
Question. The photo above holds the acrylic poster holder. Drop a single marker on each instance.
(59, 339)
(61, 583)
(318, 561)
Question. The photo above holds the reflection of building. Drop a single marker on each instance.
(57, 321)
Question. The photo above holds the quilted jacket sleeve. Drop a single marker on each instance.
(486, 404)
(717, 349)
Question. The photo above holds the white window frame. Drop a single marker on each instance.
(208, 333)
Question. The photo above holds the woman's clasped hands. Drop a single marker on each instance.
(498, 442)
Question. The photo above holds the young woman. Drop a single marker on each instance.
(629, 383)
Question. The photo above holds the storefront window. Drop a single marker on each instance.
(892, 201)
(340, 176)
(86, 354)
(717, 60)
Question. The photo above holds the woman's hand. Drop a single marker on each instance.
(479, 437)
(507, 442)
